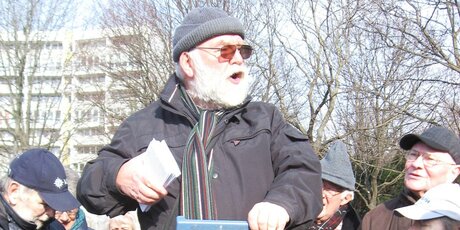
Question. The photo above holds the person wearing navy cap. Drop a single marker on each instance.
(35, 187)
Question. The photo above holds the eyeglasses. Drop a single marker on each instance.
(329, 193)
(427, 159)
(330, 190)
(71, 214)
(228, 51)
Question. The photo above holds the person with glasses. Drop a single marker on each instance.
(432, 158)
(239, 159)
(73, 219)
(338, 191)
(68, 219)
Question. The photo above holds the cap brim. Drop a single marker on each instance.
(64, 201)
(408, 141)
(415, 212)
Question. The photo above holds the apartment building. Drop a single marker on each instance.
(55, 92)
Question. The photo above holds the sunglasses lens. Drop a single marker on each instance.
(228, 51)
(246, 51)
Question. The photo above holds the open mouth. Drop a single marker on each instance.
(236, 77)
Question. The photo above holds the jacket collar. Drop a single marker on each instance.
(409, 196)
(171, 94)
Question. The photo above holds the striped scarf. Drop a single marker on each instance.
(196, 195)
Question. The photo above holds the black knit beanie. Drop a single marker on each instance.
(201, 24)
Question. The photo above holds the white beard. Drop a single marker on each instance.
(27, 213)
(211, 89)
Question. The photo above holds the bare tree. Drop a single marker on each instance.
(308, 50)
(391, 91)
(373, 113)
(32, 115)
(426, 29)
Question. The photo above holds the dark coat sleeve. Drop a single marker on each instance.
(297, 184)
(96, 189)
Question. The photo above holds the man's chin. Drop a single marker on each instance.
(232, 98)
(416, 186)
(230, 103)
(41, 223)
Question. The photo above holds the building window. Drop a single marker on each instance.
(92, 115)
(91, 131)
(49, 116)
(88, 149)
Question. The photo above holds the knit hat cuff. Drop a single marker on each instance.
(349, 184)
(205, 31)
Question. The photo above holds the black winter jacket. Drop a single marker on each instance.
(351, 221)
(257, 157)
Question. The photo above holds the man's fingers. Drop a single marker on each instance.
(132, 181)
(155, 187)
(267, 216)
(252, 218)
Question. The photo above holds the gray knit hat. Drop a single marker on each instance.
(336, 166)
(201, 24)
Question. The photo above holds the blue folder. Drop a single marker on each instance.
(187, 224)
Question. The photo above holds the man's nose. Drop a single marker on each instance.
(418, 162)
(64, 216)
(237, 58)
(50, 212)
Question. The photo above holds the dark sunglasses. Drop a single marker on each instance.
(228, 51)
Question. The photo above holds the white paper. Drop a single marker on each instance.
(160, 165)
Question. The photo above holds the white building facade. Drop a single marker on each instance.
(57, 92)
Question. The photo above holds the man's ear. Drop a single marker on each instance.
(13, 192)
(346, 199)
(185, 63)
(455, 173)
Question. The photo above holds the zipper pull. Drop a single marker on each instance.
(235, 142)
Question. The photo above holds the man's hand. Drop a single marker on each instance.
(132, 181)
(267, 216)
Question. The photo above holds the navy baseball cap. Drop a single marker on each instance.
(41, 170)
(436, 137)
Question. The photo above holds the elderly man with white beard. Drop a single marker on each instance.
(240, 160)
